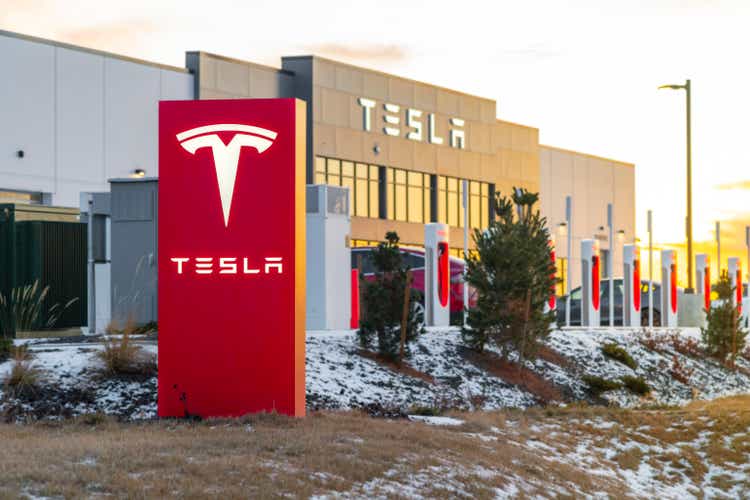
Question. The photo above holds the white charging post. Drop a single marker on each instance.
(632, 279)
(437, 274)
(590, 273)
(669, 288)
(703, 278)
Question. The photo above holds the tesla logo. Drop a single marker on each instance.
(226, 156)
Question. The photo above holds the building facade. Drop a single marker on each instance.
(402, 147)
(592, 183)
(72, 118)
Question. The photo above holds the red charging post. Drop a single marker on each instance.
(231, 257)
(354, 322)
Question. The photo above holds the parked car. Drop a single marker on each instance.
(575, 304)
(414, 259)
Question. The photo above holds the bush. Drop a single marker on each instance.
(513, 275)
(6, 345)
(23, 380)
(383, 303)
(121, 357)
(636, 385)
(723, 334)
(614, 351)
(598, 385)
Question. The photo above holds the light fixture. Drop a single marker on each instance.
(562, 228)
(138, 173)
(621, 235)
(376, 149)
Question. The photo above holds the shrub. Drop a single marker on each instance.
(513, 275)
(723, 334)
(121, 357)
(679, 372)
(614, 351)
(23, 380)
(6, 345)
(598, 385)
(383, 303)
(636, 385)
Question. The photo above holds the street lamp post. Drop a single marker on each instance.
(689, 228)
(651, 270)
(609, 267)
(569, 227)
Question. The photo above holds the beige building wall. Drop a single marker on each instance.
(593, 182)
(498, 152)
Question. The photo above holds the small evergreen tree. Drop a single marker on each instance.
(723, 334)
(513, 275)
(383, 302)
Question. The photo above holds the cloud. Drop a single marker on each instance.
(362, 52)
(734, 185)
(112, 36)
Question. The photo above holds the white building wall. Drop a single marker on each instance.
(81, 117)
(593, 182)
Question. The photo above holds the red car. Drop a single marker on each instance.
(414, 259)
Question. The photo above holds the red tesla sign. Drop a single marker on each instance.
(231, 257)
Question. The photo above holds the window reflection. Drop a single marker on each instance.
(450, 202)
(361, 179)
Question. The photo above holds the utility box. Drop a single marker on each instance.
(328, 271)
(95, 211)
(134, 222)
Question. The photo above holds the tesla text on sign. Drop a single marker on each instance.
(231, 257)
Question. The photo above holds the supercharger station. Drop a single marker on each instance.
(551, 304)
(590, 272)
(735, 276)
(437, 274)
(632, 293)
(703, 278)
(328, 270)
(669, 288)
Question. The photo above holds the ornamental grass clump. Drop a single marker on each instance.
(24, 379)
(121, 357)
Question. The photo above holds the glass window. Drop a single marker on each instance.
(360, 178)
(427, 198)
(400, 199)
(562, 265)
(333, 174)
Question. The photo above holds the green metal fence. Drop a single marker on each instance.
(52, 253)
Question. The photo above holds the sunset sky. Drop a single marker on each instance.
(584, 72)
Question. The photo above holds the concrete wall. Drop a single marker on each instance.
(593, 182)
(81, 117)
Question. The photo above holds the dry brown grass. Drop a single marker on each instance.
(271, 455)
(515, 374)
(121, 357)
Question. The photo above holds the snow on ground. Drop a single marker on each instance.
(339, 377)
